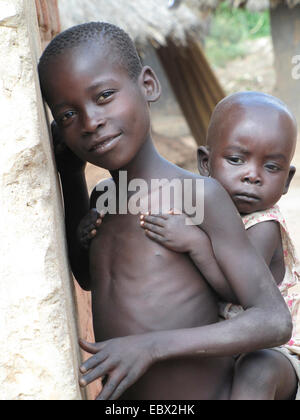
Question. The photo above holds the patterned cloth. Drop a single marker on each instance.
(289, 287)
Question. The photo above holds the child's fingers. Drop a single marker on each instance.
(155, 220)
(121, 388)
(93, 215)
(86, 238)
(92, 234)
(115, 386)
(162, 216)
(92, 226)
(92, 348)
(155, 237)
(92, 362)
(96, 373)
(98, 222)
(153, 228)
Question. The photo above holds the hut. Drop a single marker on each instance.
(285, 27)
(175, 33)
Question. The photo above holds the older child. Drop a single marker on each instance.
(251, 142)
(155, 316)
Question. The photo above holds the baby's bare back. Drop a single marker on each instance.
(138, 287)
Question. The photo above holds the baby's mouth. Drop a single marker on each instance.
(246, 197)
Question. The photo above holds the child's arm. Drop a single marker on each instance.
(76, 204)
(171, 231)
(265, 237)
(265, 323)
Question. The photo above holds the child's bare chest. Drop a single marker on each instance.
(152, 287)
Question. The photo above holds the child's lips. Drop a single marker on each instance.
(246, 197)
(104, 144)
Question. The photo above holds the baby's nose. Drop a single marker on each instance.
(252, 178)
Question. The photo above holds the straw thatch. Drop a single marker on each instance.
(144, 20)
(260, 5)
(202, 4)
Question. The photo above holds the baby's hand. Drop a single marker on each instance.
(65, 159)
(88, 227)
(170, 230)
(121, 361)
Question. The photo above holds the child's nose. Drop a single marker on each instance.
(252, 177)
(91, 121)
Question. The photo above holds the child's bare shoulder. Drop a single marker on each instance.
(211, 185)
(99, 189)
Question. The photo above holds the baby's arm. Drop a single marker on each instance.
(265, 237)
(171, 231)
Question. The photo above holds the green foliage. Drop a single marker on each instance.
(230, 29)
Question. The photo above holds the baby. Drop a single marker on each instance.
(250, 144)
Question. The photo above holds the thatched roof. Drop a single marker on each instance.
(260, 5)
(144, 20)
(202, 4)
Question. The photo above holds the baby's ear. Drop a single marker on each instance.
(150, 84)
(290, 177)
(203, 158)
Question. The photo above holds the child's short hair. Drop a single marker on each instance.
(96, 32)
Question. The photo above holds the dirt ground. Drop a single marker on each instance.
(253, 72)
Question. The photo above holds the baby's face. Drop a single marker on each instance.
(251, 158)
(101, 112)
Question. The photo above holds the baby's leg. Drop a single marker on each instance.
(264, 375)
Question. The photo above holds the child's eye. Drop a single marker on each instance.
(235, 160)
(67, 116)
(272, 168)
(104, 96)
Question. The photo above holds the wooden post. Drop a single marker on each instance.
(48, 19)
(194, 83)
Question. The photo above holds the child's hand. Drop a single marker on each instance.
(170, 230)
(65, 159)
(87, 229)
(121, 360)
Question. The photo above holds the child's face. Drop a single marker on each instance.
(102, 114)
(251, 158)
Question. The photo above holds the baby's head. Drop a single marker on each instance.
(99, 93)
(251, 141)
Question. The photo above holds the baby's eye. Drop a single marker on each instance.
(104, 96)
(272, 167)
(235, 160)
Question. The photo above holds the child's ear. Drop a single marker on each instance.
(290, 177)
(203, 158)
(150, 84)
